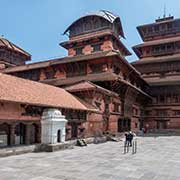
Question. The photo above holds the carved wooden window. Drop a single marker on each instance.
(176, 98)
(75, 69)
(150, 30)
(106, 107)
(32, 111)
(88, 26)
(162, 99)
(177, 112)
(116, 69)
(116, 107)
(169, 26)
(97, 24)
(96, 68)
(156, 28)
(49, 74)
(79, 51)
(98, 104)
(162, 113)
(125, 77)
(96, 47)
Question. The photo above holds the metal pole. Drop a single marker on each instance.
(128, 147)
(132, 147)
(125, 147)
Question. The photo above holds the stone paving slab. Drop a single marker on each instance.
(156, 159)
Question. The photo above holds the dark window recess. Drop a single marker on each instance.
(32, 75)
(136, 112)
(147, 52)
(136, 125)
(98, 104)
(96, 47)
(162, 113)
(177, 112)
(125, 77)
(162, 99)
(106, 107)
(76, 69)
(156, 28)
(32, 111)
(162, 75)
(79, 51)
(169, 26)
(116, 69)
(50, 74)
(74, 115)
(96, 68)
(116, 107)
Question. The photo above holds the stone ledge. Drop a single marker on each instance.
(68, 144)
(54, 147)
(16, 150)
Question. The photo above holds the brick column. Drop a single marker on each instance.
(27, 133)
(12, 134)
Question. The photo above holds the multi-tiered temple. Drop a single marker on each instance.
(159, 65)
(97, 72)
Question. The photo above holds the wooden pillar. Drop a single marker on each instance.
(27, 133)
(38, 133)
(12, 134)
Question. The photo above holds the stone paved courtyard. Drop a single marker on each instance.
(156, 159)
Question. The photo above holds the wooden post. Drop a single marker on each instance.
(27, 133)
(12, 134)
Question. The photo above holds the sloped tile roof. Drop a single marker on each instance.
(9, 45)
(13, 89)
(87, 85)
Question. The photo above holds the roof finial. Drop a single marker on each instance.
(164, 11)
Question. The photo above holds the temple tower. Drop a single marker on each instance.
(11, 55)
(159, 64)
(95, 32)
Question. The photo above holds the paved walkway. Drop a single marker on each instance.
(156, 159)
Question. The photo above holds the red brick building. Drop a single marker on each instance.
(97, 73)
(22, 103)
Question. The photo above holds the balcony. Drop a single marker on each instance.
(162, 53)
(162, 32)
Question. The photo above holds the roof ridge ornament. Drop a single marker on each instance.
(164, 15)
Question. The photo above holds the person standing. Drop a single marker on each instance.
(126, 139)
(130, 137)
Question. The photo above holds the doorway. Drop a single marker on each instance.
(74, 130)
(20, 133)
(124, 125)
(161, 124)
(59, 136)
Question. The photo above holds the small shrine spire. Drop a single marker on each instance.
(164, 15)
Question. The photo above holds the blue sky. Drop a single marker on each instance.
(37, 25)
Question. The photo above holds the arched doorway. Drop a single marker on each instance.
(20, 131)
(74, 130)
(120, 125)
(124, 124)
(5, 134)
(34, 133)
(59, 136)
